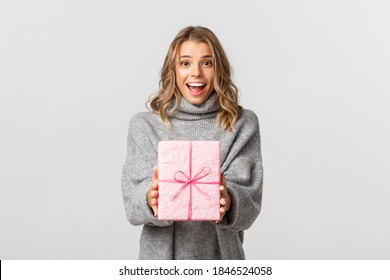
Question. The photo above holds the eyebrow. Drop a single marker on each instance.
(188, 56)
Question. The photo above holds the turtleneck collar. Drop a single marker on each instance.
(188, 111)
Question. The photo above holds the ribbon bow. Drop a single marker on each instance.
(190, 181)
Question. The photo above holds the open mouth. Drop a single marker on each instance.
(196, 88)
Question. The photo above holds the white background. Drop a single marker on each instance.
(72, 73)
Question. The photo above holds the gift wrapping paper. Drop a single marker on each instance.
(189, 180)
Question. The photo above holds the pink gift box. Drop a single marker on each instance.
(189, 180)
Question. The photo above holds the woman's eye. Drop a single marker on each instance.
(184, 63)
(207, 63)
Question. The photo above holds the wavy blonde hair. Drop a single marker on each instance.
(227, 93)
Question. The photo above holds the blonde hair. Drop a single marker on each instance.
(227, 93)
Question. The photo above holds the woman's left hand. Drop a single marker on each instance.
(225, 201)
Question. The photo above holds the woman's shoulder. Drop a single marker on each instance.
(141, 120)
(248, 118)
(141, 116)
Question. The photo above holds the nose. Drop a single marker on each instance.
(196, 70)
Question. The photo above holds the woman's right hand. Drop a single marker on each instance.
(153, 192)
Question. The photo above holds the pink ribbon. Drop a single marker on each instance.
(190, 181)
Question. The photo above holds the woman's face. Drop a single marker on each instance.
(194, 72)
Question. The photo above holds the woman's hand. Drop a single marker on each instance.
(153, 192)
(225, 201)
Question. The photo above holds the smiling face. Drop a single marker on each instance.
(194, 72)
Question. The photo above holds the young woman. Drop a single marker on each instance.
(197, 100)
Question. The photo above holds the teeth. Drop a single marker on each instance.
(196, 84)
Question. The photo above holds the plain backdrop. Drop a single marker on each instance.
(72, 73)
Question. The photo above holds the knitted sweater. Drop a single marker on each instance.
(241, 164)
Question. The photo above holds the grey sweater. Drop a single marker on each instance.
(241, 164)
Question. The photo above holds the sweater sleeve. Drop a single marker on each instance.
(137, 174)
(243, 172)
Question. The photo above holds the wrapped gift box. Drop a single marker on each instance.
(189, 180)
